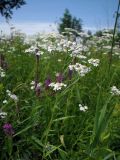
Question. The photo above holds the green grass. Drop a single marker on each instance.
(51, 126)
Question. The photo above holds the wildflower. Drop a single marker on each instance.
(59, 60)
(71, 67)
(57, 86)
(3, 114)
(5, 101)
(12, 96)
(47, 82)
(8, 91)
(8, 129)
(94, 62)
(81, 69)
(50, 49)
(35, 85)
(38, 89)
(115, 91)
(83, 108)
(39, 53)
(117, 54)
(32, 85)
(59, 77)
(2, 73)
(32, 49)
(81, 56)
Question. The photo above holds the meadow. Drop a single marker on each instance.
(59, 98)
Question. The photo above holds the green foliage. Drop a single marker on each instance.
(98, 33)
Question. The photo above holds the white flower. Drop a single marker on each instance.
(8, 91)
(81, 56)
(3, 114)
(14, 97)
(59, 60)
(2, 73)
(81, 69)
(5, 101)
(107, 47)
(57, 86)
(116, 53)
(38, 85)
(83, 108)
(115, 91)
(33, 85)
(50, 49)
(104, 53)
(94, 62)
(71, 67)
(39, 53)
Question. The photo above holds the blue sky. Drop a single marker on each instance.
(41, 15)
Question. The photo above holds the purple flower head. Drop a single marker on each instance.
(47, 82)
(8, 129)
(59, 77)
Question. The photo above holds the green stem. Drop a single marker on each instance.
(113, 38)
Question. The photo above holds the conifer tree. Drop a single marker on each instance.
(68, 21)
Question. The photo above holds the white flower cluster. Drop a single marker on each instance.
(2, 73)
(57, 86)
(12, 96)
(33, 85)
(33, 49)
(3, 114)
(80, 56)
(94, 62)
(59, 43)
(83, 108)
(39, 53)
(81, 69)
(115, 91)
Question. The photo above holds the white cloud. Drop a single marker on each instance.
(30, 27)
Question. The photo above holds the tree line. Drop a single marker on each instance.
(66, 22)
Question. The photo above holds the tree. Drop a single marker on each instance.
(98, 33)
(67, 21)
(76, 24)
(89, 32)
(6, 7)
